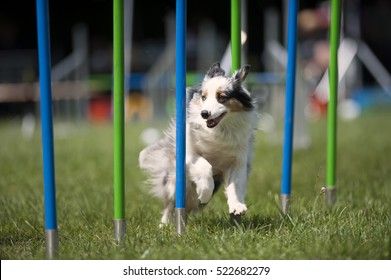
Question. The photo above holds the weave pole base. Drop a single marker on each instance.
(331, 195)
(51, 244)
(119, 230)
(285, 201)
(180, 220)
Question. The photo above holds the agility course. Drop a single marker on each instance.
(264, 232)
(290, 101)
(119, 89)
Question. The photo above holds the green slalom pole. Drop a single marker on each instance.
(235, 35)
(332, 106)
(119, 123)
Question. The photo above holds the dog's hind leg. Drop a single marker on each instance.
(168, 188)
(201, 173)
(167, 213)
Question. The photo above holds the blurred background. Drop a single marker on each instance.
(81, 53)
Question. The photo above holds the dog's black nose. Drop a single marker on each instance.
(205, 114)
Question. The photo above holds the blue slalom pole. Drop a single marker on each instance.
(289, 106)
(47, 129)
(180, 44)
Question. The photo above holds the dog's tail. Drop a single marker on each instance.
(150, 158)
(158, 161)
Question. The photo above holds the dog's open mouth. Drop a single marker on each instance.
(213, 122)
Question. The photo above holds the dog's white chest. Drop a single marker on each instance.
(221, 149)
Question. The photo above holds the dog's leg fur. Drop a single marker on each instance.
(200, 177)
(169, 201)
(235, 190)
(200, 172)
(167, 212)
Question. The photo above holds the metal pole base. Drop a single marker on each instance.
(119, 230)
(180, 220)
(51, 244)
(331, 194)
(285, 201)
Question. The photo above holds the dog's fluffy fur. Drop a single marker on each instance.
(219, 134)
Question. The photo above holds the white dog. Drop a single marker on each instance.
(219, 136)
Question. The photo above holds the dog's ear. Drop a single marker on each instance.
(241, 74)
(192, 92)
(214, 71)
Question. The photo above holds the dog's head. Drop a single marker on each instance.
(219, 94)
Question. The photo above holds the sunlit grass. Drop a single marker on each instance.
(357, 227)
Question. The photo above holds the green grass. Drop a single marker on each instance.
(358, 227)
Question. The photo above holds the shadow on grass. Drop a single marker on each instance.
(257, 222)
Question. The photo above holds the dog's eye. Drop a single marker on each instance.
(222, 98)
(203, 97)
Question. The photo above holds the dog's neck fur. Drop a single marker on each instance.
(229, 136)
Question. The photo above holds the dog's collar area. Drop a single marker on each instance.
(213, 122)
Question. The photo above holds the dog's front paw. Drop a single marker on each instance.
(205, 190)
(204, 195)
(237, 208)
